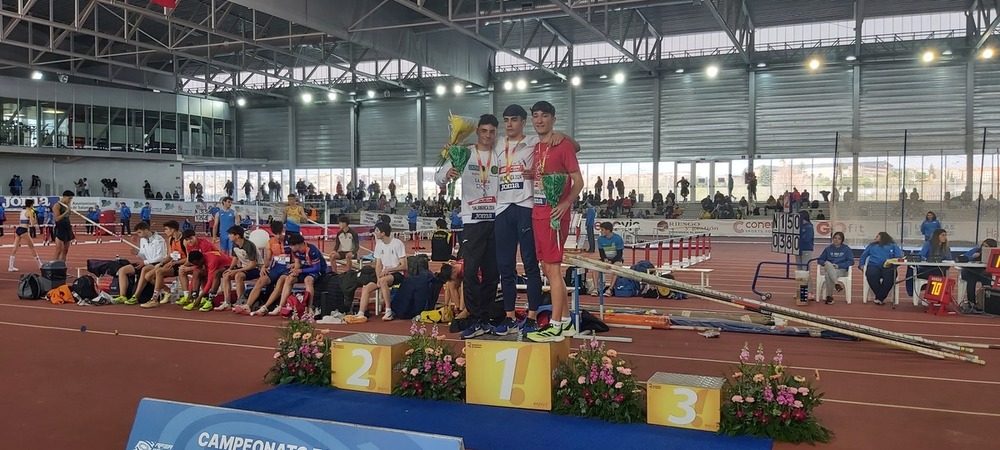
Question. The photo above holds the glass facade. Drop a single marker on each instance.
(41, 123)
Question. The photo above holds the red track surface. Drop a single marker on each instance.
(67, 389)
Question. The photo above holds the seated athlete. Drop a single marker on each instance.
(611, 248)
(390, 269)
(152, 251)
(176, 258)
(245, 265)
(307, 265)
(277, 256)
(208, 270)
(189, 271)
(346, 245)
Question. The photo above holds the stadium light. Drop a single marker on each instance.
(241, 102)
(440, 89)
(712, 71)
(522, 85)
(507, 85)
(307, 97)
(814, 63)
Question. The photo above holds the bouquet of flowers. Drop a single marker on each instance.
(302, 356)
(431, 370)
(553, 184)
(761, 399)
(458, 155)
(595, 382)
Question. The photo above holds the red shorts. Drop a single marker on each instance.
(549, 248)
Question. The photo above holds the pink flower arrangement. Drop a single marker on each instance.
(430, 368)
(300, 357)
(604, 387)
(762, 399)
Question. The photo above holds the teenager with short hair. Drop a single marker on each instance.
(152, 251)
(390, 269)
(176, 256)
(223, 220)
(307, 265)
(611, 248)
(346, 244)
(245, 265)
(209, 267)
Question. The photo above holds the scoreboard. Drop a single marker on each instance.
(785, 233)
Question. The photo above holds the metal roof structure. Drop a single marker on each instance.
(266, 47)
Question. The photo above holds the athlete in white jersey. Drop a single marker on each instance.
(479, 200)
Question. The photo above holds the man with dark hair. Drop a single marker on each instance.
(176, 257)
(441, 242)
(515, 157)
(224, 219)
(390, 269)
(243, 268)
(294, 215)
(198, 269)
(611, 249)
(63, 229)
(553, 158)
(152, 251)
(308, 264)
(277, 256)
(125, 215)
(146, 214)
(479, 201)
(209, 267)
(346, 245)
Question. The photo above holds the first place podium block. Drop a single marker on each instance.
(512, 374)
(364, 361)
(684, 401)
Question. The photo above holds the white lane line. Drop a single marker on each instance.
(141, 336)
(913, 408)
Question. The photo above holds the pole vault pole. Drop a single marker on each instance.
(979, 200)
(899, 340)
(99, 225)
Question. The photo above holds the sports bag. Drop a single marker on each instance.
(85, 287)
(29, 287)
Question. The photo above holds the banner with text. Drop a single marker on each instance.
(157, 207)
(165, 425)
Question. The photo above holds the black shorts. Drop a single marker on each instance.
(397, 278)
(20, 230)
(343, 255)
(63, 232)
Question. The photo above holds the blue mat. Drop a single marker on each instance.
(482, 427)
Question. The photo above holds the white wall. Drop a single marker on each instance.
(164, 176)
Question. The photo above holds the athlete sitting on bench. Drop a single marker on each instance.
(611, 248)
(152, 251)
(308, 264)
(244, 267)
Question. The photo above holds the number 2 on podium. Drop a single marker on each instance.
(367, 360)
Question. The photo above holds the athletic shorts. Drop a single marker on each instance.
(225, 245)
(252, 274)
(397, 278)
(549, 248)
(20, 231)
(63, 232)
(413, 227)
(343, 255)
(302, 277)
(175, 269)
(276, 271)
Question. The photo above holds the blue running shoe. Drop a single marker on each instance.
(528, 325)
(476, 330)
(505, 327)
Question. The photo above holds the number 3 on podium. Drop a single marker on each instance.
(684, 401)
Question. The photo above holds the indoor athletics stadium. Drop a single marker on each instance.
(485, 224)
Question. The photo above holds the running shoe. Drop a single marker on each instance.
(119, 300)
(505, 327)
(568, 329)
(152, 303)
(476, 330)
(191, 305)
(547, 334)
(528, 325)
(132, 301)
(184, 300)
(206, 305)
(224, 306)
(388, 315)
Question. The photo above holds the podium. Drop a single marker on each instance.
(684, 401)
(364, 361)
(512, 374)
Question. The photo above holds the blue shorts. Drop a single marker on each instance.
(276, 272)
(20, 231)
(226, 245)
(252, 274)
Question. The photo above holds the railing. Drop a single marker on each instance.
(678, 251)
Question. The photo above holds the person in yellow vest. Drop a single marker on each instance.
(294, 215)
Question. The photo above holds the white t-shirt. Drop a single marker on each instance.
(514, 158)
(479, 200)
(390, 254)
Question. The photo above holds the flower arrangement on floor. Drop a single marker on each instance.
(761, 399)
(431, 369)
(595, 382)
(302, 356)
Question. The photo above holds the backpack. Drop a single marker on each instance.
(416, 294)
(29, 287)
(330, 295)
(625, 287)
(417, 265)
(85, 287)
(643, 266)
(295, 305)
(60, 295)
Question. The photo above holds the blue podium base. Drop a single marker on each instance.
(481, 427)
